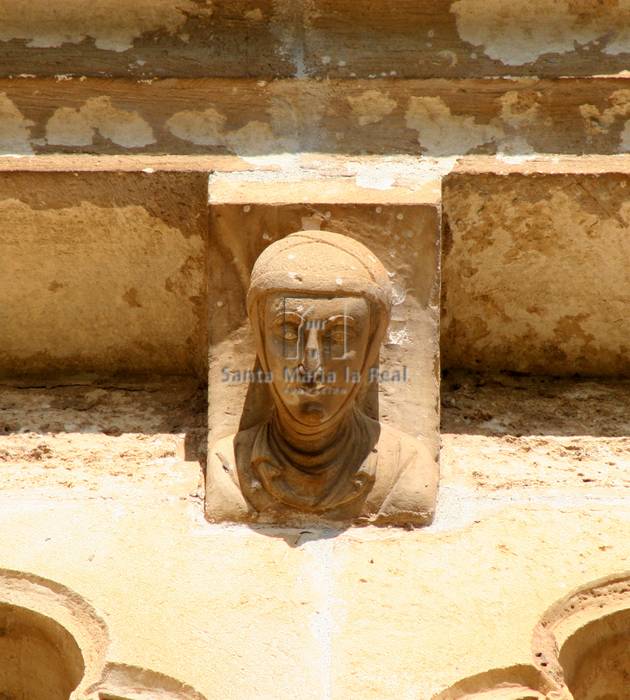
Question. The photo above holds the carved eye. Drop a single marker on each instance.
(289, 332)
(338, 334)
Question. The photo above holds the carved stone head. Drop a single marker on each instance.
(319, 304)
(319, 307)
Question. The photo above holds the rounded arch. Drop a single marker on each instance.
(39, 659)
(596, 659)
(53, 644)
(582, 643)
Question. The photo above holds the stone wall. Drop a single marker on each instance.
(148, 152)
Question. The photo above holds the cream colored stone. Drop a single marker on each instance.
(367, 613)
(515, 247)
(355, 614)
(103, 273)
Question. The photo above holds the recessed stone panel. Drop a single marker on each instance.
(536, 260)
(102, 272)
(403, 234)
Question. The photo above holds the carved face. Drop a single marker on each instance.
(316, 349)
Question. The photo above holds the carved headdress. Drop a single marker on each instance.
(321, 263)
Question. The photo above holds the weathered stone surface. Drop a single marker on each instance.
(310, 446)
(314, 113)
(352, 117)
(103, 272)
(536, 267)
(503, 432)
(465, 38)
(403, 231)
(366, 613)
(111, 37)
(315, 38)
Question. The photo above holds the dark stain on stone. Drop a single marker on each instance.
(131, 297)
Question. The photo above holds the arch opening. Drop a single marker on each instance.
(596, 659)
(39, 659)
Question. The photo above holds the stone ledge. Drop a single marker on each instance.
(543, 165)
(316, 38)
(251, 118)
(355, 612)
(321, 189)
(370, 613)
(123, 163)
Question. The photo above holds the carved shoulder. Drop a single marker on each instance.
(411, 500)
(224, 499)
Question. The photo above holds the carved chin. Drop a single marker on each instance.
(312, 412)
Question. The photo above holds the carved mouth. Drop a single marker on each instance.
(311, 389)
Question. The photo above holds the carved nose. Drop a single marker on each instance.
(312, 352)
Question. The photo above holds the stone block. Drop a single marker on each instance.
(149, 38)
(463, 38)
(249, 117)
(400, 227)
(102, 271)
(536, 260)
(318, 38)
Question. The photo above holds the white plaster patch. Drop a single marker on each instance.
(69, 127)
(317, 574)
(520, 108)
(599, 121)
(441, 133)
(516, 160)
(399, 294)
(254, 137)
(286, 161)
(520, 31)
(76, 127)
(113, 24)
(14, 129)
(255, 15)
(372, 179)
(207, 128)
(371, 107)
(201, 128)
(398, 337)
